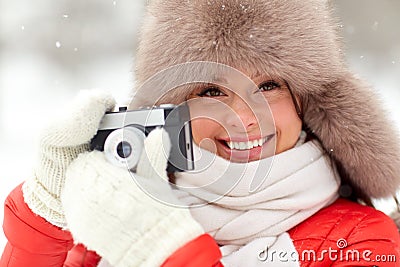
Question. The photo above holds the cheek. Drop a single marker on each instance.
(204, 129)
(288, 126)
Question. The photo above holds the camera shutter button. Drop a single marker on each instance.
(167, 105)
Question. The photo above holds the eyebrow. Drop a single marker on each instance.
(220, 79)
(258, 75)
(254, 77)
(224, 80)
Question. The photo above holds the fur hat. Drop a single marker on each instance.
(298, 41)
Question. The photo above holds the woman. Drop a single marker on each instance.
(282, 53)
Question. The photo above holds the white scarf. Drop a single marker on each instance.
(250, 207)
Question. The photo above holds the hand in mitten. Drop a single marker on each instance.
(60, 143)
(117, 213)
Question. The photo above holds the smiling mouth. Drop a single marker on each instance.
(248, 144)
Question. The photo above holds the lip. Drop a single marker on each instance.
(243, 155)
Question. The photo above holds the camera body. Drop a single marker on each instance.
(121, 135)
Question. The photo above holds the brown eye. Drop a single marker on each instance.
(211, 92)
(268, 86)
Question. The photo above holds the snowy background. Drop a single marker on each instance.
(49, 50)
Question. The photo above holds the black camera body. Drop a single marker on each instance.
(121, 135)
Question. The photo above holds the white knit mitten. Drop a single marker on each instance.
(108, 211)
(60, 143)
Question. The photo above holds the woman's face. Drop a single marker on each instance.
(239, 126)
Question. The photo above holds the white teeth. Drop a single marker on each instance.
(246, 145)
(230, 144)
(242, 145)
(235, 145)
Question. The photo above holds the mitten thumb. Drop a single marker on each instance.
(154, 158)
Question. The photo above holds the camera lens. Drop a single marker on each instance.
(124, 149)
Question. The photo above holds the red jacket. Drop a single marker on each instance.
(343, 234)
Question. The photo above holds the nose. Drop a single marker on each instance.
(241, 116)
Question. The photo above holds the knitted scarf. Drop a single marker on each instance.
(248, 208)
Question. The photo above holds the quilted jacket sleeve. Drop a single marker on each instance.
(374, 241)
(32, 241)
(347, 234)
(202, 251)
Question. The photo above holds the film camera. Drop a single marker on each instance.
(121, 135)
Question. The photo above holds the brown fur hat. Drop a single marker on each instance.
(297, 40)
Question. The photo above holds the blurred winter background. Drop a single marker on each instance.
(49, 50)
